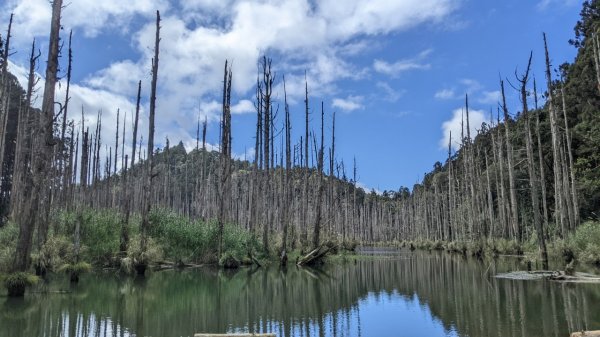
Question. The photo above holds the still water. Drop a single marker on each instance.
(397, 294)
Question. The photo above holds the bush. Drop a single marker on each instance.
(585, 243)
(100, 236)
(8, 243)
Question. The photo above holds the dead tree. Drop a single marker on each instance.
(514, 218)
(287, 185)
(533, 183)
(225, 176)
(317, 227)
(142, 262)
(44, 142)
(559, 213)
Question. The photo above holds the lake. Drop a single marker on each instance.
(382, 293)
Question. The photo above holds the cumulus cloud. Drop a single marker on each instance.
(348, 104)
(32, 17)
(456, 122)
(197, 36)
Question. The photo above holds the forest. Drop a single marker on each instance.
(526, 184)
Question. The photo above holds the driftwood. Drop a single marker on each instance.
(595, 333)
(315, 256)
(551, 275)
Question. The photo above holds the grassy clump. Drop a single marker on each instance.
(57, 250)
(16, 283)
(76, 268)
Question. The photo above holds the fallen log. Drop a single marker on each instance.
(595, 333)
(314, 256)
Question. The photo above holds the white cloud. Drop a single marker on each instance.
(400, 66)
(454, 125)
(197, 36)
(368, 189)
(349, 103)
(445, 94)
(32, 17)
(242, 107)
(489, 97)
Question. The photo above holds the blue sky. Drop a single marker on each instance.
(395, 71)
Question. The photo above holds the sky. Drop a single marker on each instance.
(395, 72)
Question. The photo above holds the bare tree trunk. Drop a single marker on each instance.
(575, 220)
(317, 228)
(540, 157)
(43, 151)
(596, 51)
(533, 184)
(142, 263)
(135, 124)
(559, 213)
(304, 235)
(225, 192)
(287, 188)
(511, 170)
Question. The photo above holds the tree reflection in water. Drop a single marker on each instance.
(420, 293)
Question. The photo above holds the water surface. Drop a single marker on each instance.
(391, 294)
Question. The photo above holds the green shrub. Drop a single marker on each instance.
(185, 240)
(585, 243)
(100, 236)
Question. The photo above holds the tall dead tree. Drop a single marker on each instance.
(571, 165)
(514, 218)
(559, 212)
(596, 55)
(135, 123)
(267, 89)
(306, 176)
(225, 176)
(22, 180)
(287, 183)
(30, 207)
(533, 182)
(540, 157)
(319, 201)
(147, 192)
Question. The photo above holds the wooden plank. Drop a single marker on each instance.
(235, 335)
(595, 333)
